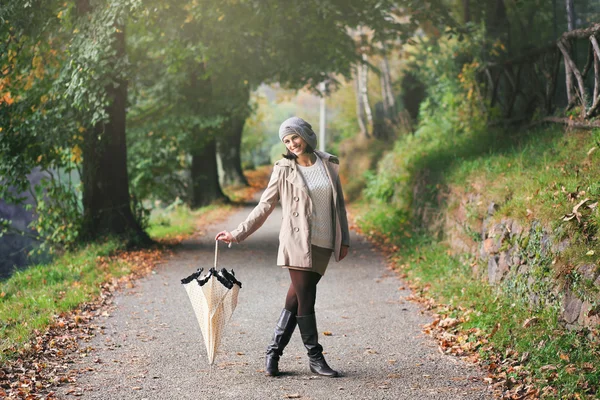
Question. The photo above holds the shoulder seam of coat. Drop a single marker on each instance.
(328, 157)
(283, 163)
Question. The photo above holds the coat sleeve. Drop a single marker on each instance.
(261, 212)
(343, 216)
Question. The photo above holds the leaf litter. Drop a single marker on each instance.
(45, 362)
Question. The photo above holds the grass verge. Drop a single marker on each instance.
(525, 349)
(541, 174)
(34, 299)
(31, 299)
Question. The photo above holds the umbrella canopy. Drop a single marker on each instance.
(214, 298)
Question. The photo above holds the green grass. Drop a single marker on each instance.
(31, 298)
(536, 174)
(178, 220)
(544, 179)
(563, 358)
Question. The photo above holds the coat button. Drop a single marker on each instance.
(296, 229)
(295, 214)
(296, 198)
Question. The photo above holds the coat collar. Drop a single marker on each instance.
(331, 167)
(284, 162)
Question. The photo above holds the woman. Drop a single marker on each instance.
(314, 226)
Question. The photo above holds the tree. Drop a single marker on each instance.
(38, 130)
(239, 45)
(71, 114)
(106, 198)
(229, 143)
(570, 6)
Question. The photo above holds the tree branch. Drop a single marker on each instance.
(573, 67)
(596, 57)
(580, 33)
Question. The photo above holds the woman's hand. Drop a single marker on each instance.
(225, 236)
(343, 252)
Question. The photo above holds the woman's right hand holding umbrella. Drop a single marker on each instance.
(225, 236)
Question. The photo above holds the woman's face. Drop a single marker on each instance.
(295, 144)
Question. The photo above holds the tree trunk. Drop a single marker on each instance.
(499, 24)
(364, 77)
(359, 103)
(570, 15)
(229, 152)
(204, 174)
(467, 10)
(106, 199)
(387, 94)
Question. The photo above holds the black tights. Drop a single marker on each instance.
(301, 295)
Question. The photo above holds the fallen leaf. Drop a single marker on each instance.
(529, 321)
(293, 396)
(590, 253)
(575, 212)
(590, 151)
(448, 323)
(564, 357)
(327, 333)
(588, 366)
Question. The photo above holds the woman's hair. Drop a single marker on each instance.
(291, 156)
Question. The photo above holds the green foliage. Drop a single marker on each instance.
(60, 62)
(58, 207)
(189, 67)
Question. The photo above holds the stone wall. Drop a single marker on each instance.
(521, 258)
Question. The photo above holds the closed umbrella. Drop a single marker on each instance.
(214, 298)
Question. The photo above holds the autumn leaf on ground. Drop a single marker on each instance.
(529, 322)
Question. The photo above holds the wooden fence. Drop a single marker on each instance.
(522, 85)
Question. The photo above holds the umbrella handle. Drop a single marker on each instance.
(217, 251)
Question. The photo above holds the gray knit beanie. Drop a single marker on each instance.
(301, 127)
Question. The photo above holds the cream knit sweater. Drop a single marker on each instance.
(321, 195)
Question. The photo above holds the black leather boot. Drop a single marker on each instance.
(281, 337)
(310, 337)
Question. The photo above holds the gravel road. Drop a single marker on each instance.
(150, 347)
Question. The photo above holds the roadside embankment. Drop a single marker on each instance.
(499, 233)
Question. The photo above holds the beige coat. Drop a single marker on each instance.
(287, 185)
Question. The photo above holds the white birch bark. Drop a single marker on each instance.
(570, 14)
(359, 106)
(365, 92)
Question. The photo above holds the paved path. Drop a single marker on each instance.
(150, 346)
